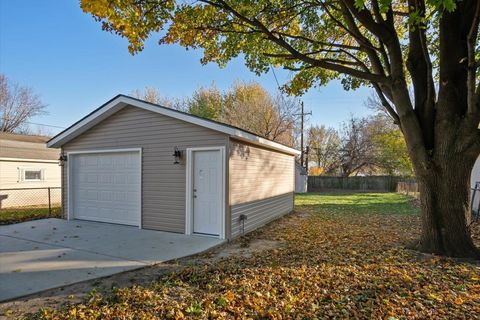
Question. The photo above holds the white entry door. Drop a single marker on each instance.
(207, 192)
(106, 187)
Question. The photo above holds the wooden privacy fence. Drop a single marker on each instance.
(367, 183)
(408, 187)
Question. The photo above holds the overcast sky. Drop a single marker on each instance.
(62, 53)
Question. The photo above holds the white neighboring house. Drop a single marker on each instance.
(474, 180)
(26, 163)
(476, 172)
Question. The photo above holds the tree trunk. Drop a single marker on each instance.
(445, 204)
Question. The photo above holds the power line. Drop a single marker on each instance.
(6, 118)
(278, 84)
(44, 125)
(275, 76)
(302, 115)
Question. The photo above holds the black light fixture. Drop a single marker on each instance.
(177, 154)
(63, 158)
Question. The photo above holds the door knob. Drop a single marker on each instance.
(194, 190)
(194, 196)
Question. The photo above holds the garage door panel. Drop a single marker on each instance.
(105, 162)
(120, 180)
(106, 187)
(91, 162)
(106, 179)
(106, 195)
(133, 179)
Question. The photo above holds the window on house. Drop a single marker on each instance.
(29, 175)
(33, 174)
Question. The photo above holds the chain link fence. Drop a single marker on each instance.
(22, 204)
(410, 188)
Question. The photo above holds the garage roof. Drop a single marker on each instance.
(121, 101)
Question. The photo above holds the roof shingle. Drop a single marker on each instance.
(20, 146)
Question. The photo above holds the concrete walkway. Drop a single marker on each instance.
(44, 254)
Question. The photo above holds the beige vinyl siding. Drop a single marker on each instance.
(163, 183)
(259, 212)
(261, 185)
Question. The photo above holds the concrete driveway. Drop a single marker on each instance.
(44, 254)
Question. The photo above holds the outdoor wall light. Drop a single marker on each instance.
(62, 160)
(177, 154)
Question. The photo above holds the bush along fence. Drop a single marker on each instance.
(22, 204)
(366, 183)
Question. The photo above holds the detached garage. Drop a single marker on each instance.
(136, 163)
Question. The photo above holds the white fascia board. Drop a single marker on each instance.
(247, 137)
(121, 101)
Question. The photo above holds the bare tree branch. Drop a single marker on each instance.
(17, 105)
(388, 107)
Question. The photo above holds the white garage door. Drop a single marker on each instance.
(106, 187)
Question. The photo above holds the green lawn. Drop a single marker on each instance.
(339, 256)
(16, 215)
(357, 203)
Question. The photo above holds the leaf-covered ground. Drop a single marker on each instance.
(342, 256)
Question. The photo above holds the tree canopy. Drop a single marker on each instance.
(386, 44)
(371, 146)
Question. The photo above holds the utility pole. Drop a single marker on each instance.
(301, 136)
(307, 151)
(302, 120)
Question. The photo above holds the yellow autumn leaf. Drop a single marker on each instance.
(432, 296)
(407, 278)
(229, 295)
